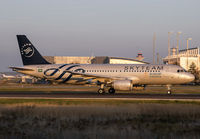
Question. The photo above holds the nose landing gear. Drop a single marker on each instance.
(169, 91)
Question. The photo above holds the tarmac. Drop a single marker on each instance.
(94, 95)
(90, 92)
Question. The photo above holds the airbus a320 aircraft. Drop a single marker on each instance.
(112, 76)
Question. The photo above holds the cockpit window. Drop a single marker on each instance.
(181, 70)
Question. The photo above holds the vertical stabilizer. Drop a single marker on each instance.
(29, 54)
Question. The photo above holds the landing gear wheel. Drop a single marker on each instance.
(111, 90)
(169, 92)
(101, 91)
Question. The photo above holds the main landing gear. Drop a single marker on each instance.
(102, 90)
(111, 90)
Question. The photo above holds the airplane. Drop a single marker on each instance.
(111, 76)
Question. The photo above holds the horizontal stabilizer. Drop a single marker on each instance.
(21, 69)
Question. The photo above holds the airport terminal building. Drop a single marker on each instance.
(92, 60)
(184, 58)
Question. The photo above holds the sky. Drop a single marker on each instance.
(119, 28)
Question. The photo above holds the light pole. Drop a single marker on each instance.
(177, 37)
(187, 50)
(154, 45)
(177, 47)
(169, 33)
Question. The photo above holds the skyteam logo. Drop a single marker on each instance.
(62, 76)
(27, 50)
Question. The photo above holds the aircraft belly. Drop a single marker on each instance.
(76, 80)
(160, 79)
(152, 78)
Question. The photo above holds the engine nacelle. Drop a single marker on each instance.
(125, 85)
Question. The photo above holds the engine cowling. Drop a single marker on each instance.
(125, 85)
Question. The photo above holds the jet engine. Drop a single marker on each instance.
(125, 85)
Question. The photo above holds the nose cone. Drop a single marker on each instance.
(186, 77)
(190, 77)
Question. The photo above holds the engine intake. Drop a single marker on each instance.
(125, 85)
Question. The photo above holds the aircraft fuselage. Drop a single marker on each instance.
(138, 74)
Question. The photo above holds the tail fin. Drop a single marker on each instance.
(29, 54)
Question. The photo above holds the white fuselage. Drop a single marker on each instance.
(146, 74)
